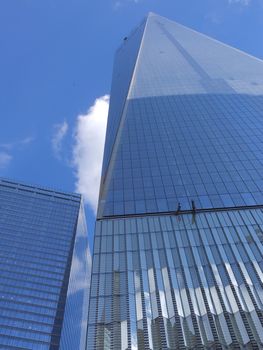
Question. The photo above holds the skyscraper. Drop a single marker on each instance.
(178, 250)
(44, 268)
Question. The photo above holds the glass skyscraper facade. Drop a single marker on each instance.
(45, 267)
(178, 255)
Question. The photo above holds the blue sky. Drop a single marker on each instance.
(56, 60)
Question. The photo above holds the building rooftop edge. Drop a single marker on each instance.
(37, 188)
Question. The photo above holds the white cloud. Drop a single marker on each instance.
(60, 131)
(27, 140)
(17, 144)
(213, 17)
(5, 159)
(240, 2)
(88, 150)
(120, 3)
(10, 147)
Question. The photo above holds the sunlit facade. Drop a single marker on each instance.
(178, 255)
(45, 268)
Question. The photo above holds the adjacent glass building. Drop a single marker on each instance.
(178, 255)
(44, 269)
